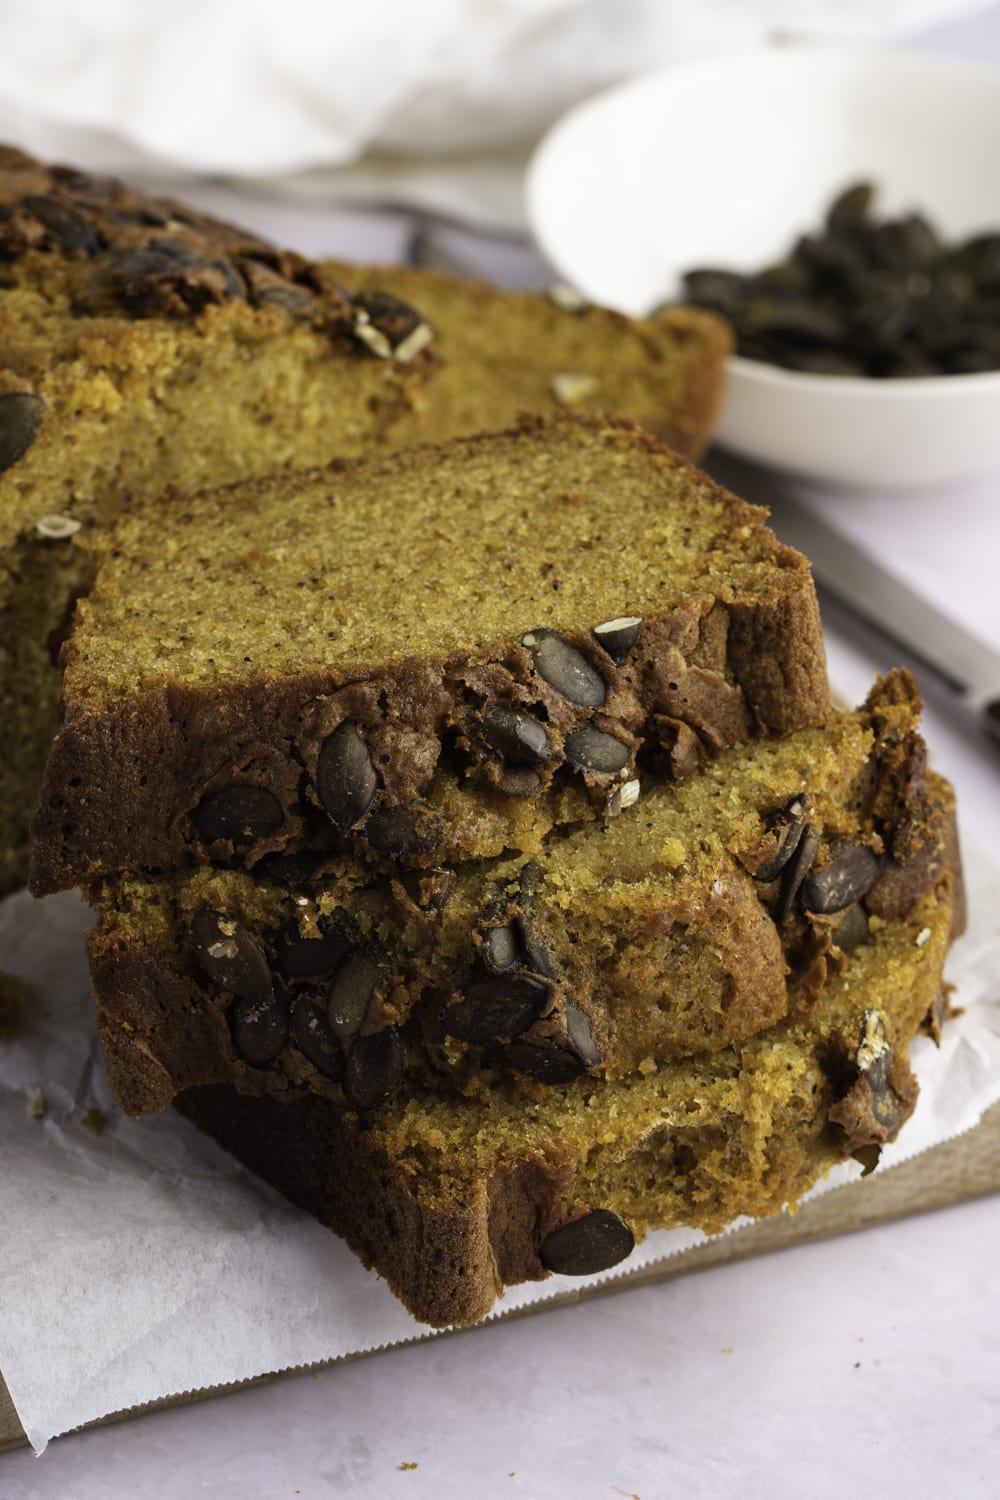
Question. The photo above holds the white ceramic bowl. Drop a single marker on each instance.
(725, 162)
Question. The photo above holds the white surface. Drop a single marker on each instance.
(798, 125)
(865, 1365)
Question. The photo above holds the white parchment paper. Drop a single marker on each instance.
(141, 1261)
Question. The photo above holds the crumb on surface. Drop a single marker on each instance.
(36, 1106)
(93, 1120)
(409, 1466)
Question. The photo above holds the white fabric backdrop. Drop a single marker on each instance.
(253, 87)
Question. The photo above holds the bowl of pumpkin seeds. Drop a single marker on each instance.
(841, 211)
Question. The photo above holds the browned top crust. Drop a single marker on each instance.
(116, 249)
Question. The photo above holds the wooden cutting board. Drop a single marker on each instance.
(955, 1172)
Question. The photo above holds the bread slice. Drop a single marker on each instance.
(452, 1199)
(437, 655)
(680, 927)
(147, 348)
(143, 348)
(507, 352)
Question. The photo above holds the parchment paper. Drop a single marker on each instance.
(141, 1261)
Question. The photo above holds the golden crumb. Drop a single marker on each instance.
(506, 352)
(672, 854)
(93, 1120)
(36, 1106)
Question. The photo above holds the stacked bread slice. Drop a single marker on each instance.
(148, 351)
(477, 854)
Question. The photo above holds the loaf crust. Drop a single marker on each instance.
(451, 1199)
(671, 931)
(150, 350)
(146, 349)
(227, 645)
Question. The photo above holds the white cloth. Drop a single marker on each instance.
(250, 88)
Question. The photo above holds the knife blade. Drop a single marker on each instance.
(967, 665)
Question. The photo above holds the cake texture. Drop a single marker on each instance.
(151, 351)
(506, 352)
(430, 657)
(452, 1199)
(694, 920)
(145, 348)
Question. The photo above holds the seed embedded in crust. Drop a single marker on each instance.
(874, 1060)
(851, 873)
(784, 830)
(345, 776)
(296, 301)
(259, 1027)
(374, 1068)
(536, 956)
(415, 343)
(70, 229)
(618, 636)
(239, 812)
(496, 1005)
(373, 338)
(390, 327)
(230, 955)
(580, 1037)
(519, 781)
(591, 749)
(555, 1061)
(796, 870)
(543, 1064)
(518, 735)
(852, 930)
(595, 1241)
(21, 416)
(316, 1041)
(402, 830)
(350, 992)
(500, 949)
(626, 795)
(299, 957)
(565, 669)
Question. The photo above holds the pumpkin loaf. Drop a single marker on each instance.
(681, 927)
(506, 352)
(450, 1199)
(437, 655)
(147, 348)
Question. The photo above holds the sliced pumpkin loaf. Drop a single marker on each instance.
(437, 655)
(451, 1199)
(694, 920)
(146, 348)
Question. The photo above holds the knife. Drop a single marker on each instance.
(966, 665)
